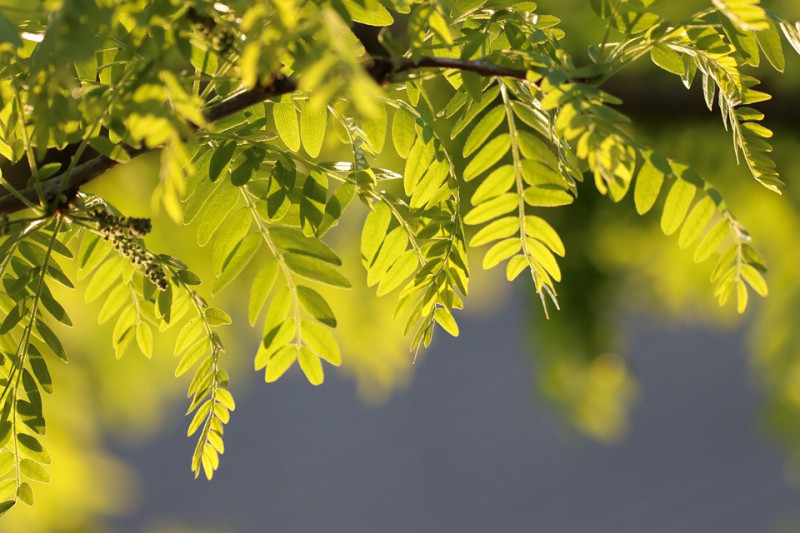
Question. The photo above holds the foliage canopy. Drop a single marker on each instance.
(270, 118)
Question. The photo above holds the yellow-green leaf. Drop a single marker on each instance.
(320, 340)
(709, 244)
(667, 58)
(313, 123)
(280, 363)
(285, 117)
(696, 221)
(369, 12)
(677, 205)
(310, 365)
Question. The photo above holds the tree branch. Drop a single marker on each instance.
(380, 69)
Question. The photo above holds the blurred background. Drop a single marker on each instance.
(640, 406)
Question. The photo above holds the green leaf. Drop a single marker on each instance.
(216, 317)
(446, 320)
(46, 240)
(275, 338)
(6, 462)
(123, 332)
(369, 12)
(221, 159)
(489, 95)
(34, 471)
(262, 285)
(248, 162)
(199, 417)
(316, 305)
(405, 265)
(709, 244)
(164, 303)
(215, 212)
(104, 277)
(755, 279)
(539, 229)
(320, 340)
(496, 230)
(770, 43)
(312, 202)
(51, 340)
(313, 122)
(310, 365)
(374, 128)
(231, 234)
(741, 297)
(490, 154)
(696, 221)
(374, 232)
(189, 334)
(280, 363)
(392, 248)
(547, 194)
(483, 129)
(226, 398)
(25, 493)
(13, 318)
(194, 354)
(745, 14)
(31, 447)
(430, 183)
(295, 241)
(667, 58)
(439, 26)
(417, 164)
(500, 252)
(236, 262)
(285, 117)
(91, 253)
(144, 339)
(648, 183)
(310, 268)
(499, 181)
(39, 368)
(403, 132)
(8, 488)
(532, 147)
(8, 33)
(677, 205)
(505, 203)
(8, 504)
(544, 257)
(335, 206)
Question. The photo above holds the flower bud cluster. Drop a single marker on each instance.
(123, 232)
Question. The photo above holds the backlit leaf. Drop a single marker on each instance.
(321, 342)
(312, 268)
(286, 123)
(676, 206)
(316, 305)
(313, 122)
(310, 365)
(262, 285)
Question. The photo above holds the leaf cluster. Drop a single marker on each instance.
(273, 118)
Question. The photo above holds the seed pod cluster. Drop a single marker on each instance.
(123, 233)
(206, 26)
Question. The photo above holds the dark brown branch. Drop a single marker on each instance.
(380, 69)
(483, 68)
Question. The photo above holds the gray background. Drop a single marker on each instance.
(466, 448)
